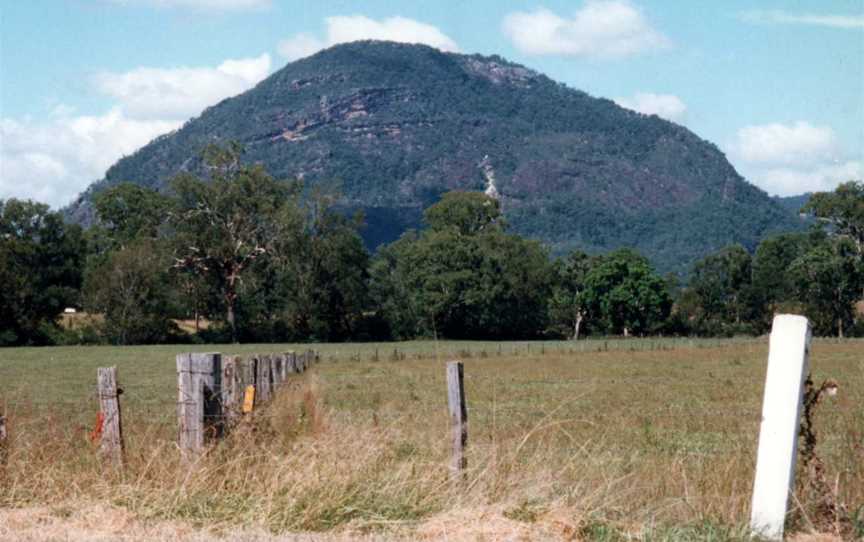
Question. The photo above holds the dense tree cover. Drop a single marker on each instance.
(843, 209)
(720, 294)
(41, 260)
(819, 274)
(131, 287)
(262, 259)
(827, 281)
(463, 277)
(568, 305)
(226, 223)
(466, 277)
(237, 248)
(625, 295)
(127, 212)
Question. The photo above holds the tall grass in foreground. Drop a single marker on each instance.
(610, 445)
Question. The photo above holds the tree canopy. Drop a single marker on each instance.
(41, 259)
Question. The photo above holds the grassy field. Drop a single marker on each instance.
(600, 440)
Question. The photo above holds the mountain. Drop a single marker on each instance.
(793, 204)
(397, 125)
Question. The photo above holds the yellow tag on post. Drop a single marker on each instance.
(249, 399)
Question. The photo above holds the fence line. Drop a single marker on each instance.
(215, 392)
(213, 395)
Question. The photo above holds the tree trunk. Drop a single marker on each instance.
(840, 327)
(577, 324)
(626, 332)
(230, 301)
(230, 318)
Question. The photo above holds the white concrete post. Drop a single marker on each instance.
(788, 366)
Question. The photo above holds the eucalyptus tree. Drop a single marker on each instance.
(225, 224)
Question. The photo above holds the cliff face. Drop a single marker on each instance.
(395, 126)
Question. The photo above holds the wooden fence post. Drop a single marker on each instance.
(262, 382)
(286, 367)
(249, 369)
(4, 441)
(199, 413)
(789, 350)
(458, 417)
(111, 442)
(278, 361)
(291, 359)
(232, 394)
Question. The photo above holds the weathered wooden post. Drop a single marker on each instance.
(458, 418)
(301, 362)
(111, 442)
(232, 389)
(199, 379)
(789, 349)
(286, 366)
(249, 370)
(278, 361)
(4, 441)
(262, 382)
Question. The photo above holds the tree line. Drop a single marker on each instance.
(247, 257)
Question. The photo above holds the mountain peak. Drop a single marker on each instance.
(397, 125)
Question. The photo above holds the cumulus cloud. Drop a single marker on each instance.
(202, 5)
(820, 178)
(790, 159)
(55, 159)
(784, 17)
(781, 144)
(300, 46)
(668, 106)
(180, 93)
(600, 28)
(344, 29)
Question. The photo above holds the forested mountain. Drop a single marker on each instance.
(394, 126)
(793, 203)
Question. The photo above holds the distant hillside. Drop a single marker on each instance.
(793, 204)
(398, 125)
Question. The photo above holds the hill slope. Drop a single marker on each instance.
(397, 125)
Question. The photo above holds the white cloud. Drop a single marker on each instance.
(180, 93)
(790, 159)
(204, 5)
(600, 28)
(344, 29)
(821, 178)
(53, 161)
(784, 17)
(668, 106)
(300, 46)
(781, 144)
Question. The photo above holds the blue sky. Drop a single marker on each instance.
(778, 86)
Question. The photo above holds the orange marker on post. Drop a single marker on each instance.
(249, 399)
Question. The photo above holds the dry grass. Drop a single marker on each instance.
(654, 443)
